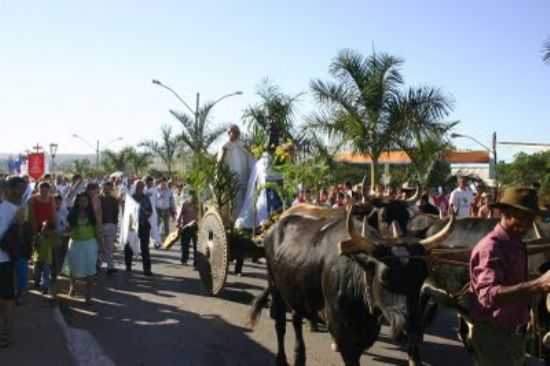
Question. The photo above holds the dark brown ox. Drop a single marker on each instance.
(321, 269)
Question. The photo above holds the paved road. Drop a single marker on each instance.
(168, 320)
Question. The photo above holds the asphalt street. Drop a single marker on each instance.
(168, 319)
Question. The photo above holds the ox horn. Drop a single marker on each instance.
(364, 191)
(355, 243)
(364, 227)
(415, 196)
(537, 231)
(396, 231)
(434, 240)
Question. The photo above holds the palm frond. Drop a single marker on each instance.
(274, 107)
(546, 51)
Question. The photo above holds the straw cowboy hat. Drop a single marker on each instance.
(521, 198)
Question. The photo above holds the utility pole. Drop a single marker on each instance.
(496, 165)
(97, 155)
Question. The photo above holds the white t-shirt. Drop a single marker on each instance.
(461, 200)
(7, 214)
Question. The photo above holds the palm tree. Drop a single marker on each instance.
(167, 149)
(422, 134)
(365, 106)
(274, 107)
(196, 134)
(138, 161)
(81, 167)
(546, 51)
(113, 161)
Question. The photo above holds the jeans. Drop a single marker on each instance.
(163, 215)
(21, 275)
(42, 274)
(144, 237)
(188, 234)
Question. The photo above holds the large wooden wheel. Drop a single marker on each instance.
(213, 252)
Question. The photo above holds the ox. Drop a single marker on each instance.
(320, 269)
(389, 211)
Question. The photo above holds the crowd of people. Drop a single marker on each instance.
(70, 228)
(466, 200)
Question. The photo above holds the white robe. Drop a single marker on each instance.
(241, 162)
(257, 179)
(129, 225)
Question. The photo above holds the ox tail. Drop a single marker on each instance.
(257, 305)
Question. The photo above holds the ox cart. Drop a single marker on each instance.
(219, 242)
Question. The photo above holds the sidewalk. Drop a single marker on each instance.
(39, 338)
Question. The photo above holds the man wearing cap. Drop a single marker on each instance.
(499, 284)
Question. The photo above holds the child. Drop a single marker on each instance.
(43, 256)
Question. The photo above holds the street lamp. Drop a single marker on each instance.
(492, 151)
(96, 148)
(53, 152)
(196, 111)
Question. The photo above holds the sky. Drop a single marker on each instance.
(75, 67)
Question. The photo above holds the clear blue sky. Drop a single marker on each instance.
(86, 67)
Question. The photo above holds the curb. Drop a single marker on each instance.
(83, 347)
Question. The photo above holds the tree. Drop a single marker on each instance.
(422, 135)
(527, 169)
(138, 160)
(274, 107)
(546, 51)
(81, 167)
(196, 134)
(365, 107)
(212, 180)
(167, 149)
(113, 161)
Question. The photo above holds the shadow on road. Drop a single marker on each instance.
(139, 320)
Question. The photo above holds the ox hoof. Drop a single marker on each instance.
(334, 347)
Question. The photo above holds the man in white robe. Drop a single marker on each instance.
(240, 161)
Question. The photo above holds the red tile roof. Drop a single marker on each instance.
(401, 157)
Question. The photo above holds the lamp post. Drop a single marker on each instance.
(53, 152)
(96, 148)
(196, 111)
(492, 151)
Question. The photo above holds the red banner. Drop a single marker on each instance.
(36, 165)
